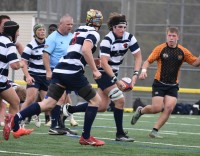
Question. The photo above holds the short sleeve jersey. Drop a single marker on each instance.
(116, 48)
(74, 62)
(169, 61)
(56, 46)
(8, 55)
(33, 55)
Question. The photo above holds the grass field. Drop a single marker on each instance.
(181, 138)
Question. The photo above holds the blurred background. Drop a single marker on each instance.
(147, 20)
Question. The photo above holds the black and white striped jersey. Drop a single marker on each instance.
(8, 56)
(33, 54)
(74, 61)
(116, 48)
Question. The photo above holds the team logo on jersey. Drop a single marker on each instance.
(36, 51)
(61, 42)
(165, 55)
(125, 45)
(180, 57)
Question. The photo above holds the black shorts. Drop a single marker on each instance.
(72, 82)
(4, 86)
(105, 81)
(160, 89)
(41, 83)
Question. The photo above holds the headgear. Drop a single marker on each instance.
(94, 18)
(10, 28)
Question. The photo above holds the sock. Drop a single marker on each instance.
(33, 109)
(55, 115)
(47, 118)
(155, 129)
(78, 108)
(90, 115)
(140, 112)
(118, 116)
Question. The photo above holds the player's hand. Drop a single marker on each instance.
(48, 75)
(97, 62)
(143, 75)
(30, 80)
(120, 85)
(96, 74)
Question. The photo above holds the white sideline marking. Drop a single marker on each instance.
(158, 143)
(23, 153)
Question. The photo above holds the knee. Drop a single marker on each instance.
(102, 108)
(168, 109)
(30, 99)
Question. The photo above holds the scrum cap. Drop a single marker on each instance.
(10, 28)
(94, 18)
(36, 27)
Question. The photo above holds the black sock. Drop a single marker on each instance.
(55, 115)
(47, 118)
(90, 115)
(78, 108)
(118, 116)
(33, 109)
(155, 129)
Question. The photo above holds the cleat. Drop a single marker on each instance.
(65, 114)
(73, 122)
(2, 124)
(37, 120)
(21, 132)
(69, 132)
(57, 131)
(8, 126)
(124, 138)
(27, 120)
(91, 141)
(154, 134)
(136, 115)
(48, 124)
(64, 110)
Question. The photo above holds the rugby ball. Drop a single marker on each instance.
(127, 83)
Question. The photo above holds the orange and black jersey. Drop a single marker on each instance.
(169, 61)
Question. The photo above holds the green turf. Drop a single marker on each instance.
(181, 137)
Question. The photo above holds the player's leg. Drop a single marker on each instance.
(48, 103)
(169, 104)
(71, 117)
(90, 95)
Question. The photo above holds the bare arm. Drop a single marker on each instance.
(138, 63)
(46, 62)
(87, 53)
(17, 65)
(145, 66)
(109, 71)
(29, 79)
(197, 62)
(19, 47)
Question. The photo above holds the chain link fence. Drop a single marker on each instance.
(147, 20)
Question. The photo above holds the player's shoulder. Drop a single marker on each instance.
(5, 39)
(161, 46)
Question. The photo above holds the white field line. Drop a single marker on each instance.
(161, 132)
(158, 143)
(21, 153)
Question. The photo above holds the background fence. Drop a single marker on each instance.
(147, 20)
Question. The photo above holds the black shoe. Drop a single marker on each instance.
(57, 131)
(69, 132)
(123, 137)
